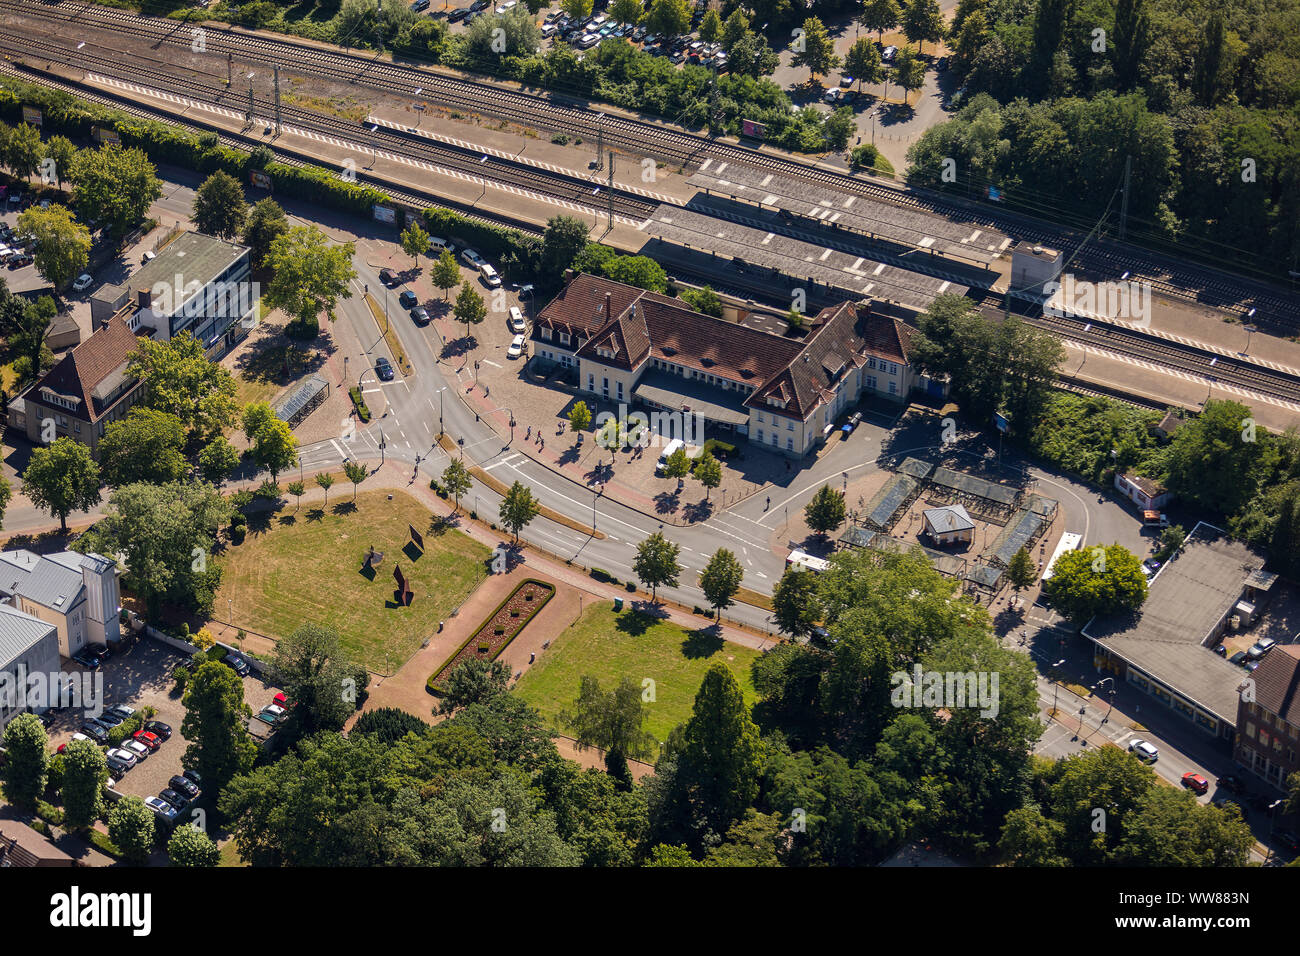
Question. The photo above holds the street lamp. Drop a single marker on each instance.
(1056, 692)
(1111, 681)
(440, 391)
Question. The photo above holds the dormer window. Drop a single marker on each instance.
(604, 352)
(564, 338)
(546, 333)
(776, 402)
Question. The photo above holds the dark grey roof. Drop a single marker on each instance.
(1188, 600)
(19, 632)
(40, 579)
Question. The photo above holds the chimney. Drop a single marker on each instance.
(568, 276)
(144, 298)
(609, 304)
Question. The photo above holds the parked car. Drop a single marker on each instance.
(122, 711)
(1225, 801)
(125, 756)
(233, 660)
(1238, 658)
(281, 699)
(177, 800)
(517, 323)
(1196, 783)
(1260, 648)
(420, 315)
(887, 54)
(162, 808)
(384, 369)
(408, 299)
(478, 5)
(95, 732)
(490, 277)
(86, 659)
(471, 258)
(137, 748)
(83, 282)
(109, 719)
(152, 741)
(158, 729)
(1144, 751)
(1231, 783)
(193, 777)
(420, 5)
(115, 764)
(388, 277)
(516, 347)
(20, 260)
(75, 737)
(460, 13)
(1221, 650)
(275, 712)
(185, 786)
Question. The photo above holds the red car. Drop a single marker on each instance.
(153, 742)
(280, 700)
(1195, 782)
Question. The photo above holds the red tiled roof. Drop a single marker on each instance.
(77, 373)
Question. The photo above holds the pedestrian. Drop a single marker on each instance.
(769, 503)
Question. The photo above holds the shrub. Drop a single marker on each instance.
(359, 404)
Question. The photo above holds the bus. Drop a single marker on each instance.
(1069, 542)
(803, 561)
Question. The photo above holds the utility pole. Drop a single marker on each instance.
(1123, 205)
(610, 196)
(230, 66)
(248, 118)
(277, 100)
(600, 141)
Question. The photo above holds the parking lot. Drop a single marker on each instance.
(139, 677)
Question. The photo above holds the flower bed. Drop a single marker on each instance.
(502, 626)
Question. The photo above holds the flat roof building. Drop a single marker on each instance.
(1165, 648)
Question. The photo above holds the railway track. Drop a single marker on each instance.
(1276, 310)
(444, 157)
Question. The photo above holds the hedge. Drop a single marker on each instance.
(363, 412)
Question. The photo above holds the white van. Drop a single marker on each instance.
(669, 450)
(436, 246)
(490, 277)
(803, 561)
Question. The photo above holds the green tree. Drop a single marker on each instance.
(147, 445)
(190, 846)
(309, 275)
(445, 274)
(274, 446)
(84, 774)
(751, 842)
(116, 186)
(166, 533)
(219, 206)
(469, 307)
(565, 236)
(626, 11)
(518, 508)
(26, 324)
(656, 562)
(669, 18)
(473, 681)
(579, 416)
(181, 380)
(708, 471)
(1207, 835)
(219, 746)
(1096, 581)
(862, 62)
(880, 15)
(266, 222)
(62, 478)
(814, 48)
(62, 152)
(923, 20)
(27, 760)
(131, 828)
(703, 300)
(325, 481)
(297, 489)
(1021, 571)
(613, 721)
(218, 460)
(356, 473)
(909, 71)
(721, 758)
(576, 9)
(1218, 459)
(62, 243)
(735, 29)
(456, 480)
(826, 511)
(317, 676)
(795, 604)
(720, 580)
(1031, 839)
(415, 242)
(640, 271)
(710, 27)
(24, 152)
(751, 56)
(839, 127)
(678, 464)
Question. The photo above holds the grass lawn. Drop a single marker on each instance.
(294, 569)
(609, 646)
